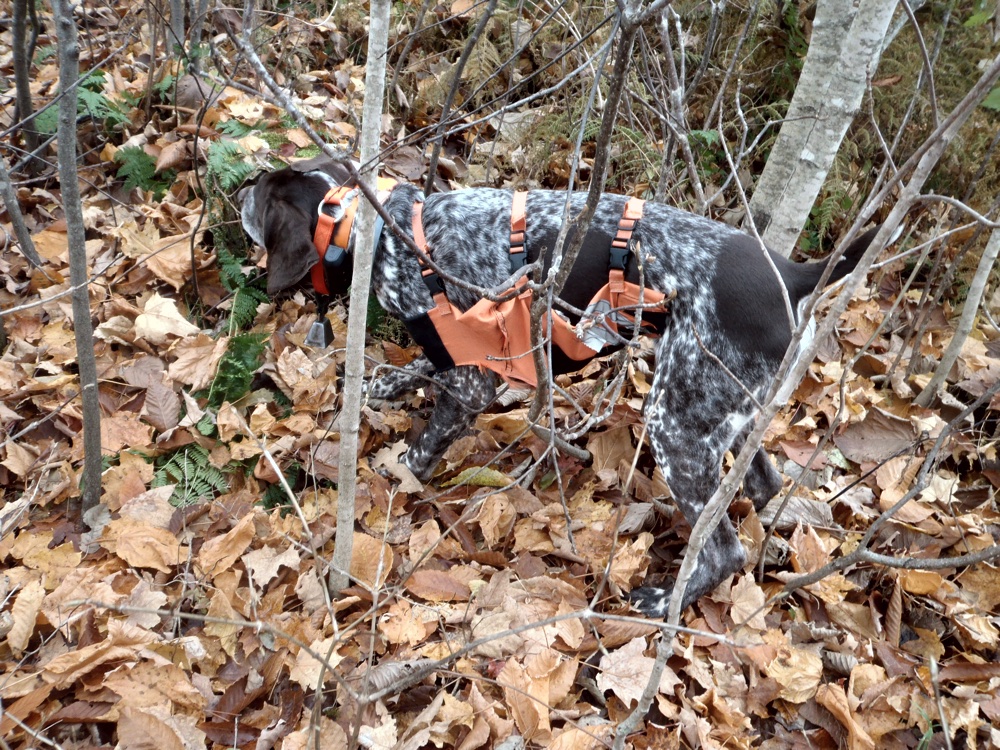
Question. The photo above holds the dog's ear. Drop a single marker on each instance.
(290, 251)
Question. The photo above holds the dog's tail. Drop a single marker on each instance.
(801, 278)
(852, 255)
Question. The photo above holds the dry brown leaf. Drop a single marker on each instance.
(404, 623)
(809, 551)
(196, 359)
(437, 586)
(610, 448)
(123, 642)
(798, 671)
(877, 438)
(162, 407)
(217, 555)
(140, 730)
(307, 668)
(331, 735)
(148, 685)
(143, 546)
(160, 319)
(20, 459)
(25, 611)
(371, 560)
(124, 430)
(834, 699)
(173, 155)
(224, 624)
(626, 672)
(748, 603)
(527, 700)
(478, 736)
(496, 519)
(263, 564)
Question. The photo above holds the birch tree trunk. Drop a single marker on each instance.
(83, 330)
(350, 416)
(843, 52)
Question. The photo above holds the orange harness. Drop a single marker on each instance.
(334, 222)
(497, 335)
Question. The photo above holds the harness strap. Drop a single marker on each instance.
(497, 336)
(621, 245)
(518, 222)
(431, 280)
(334, 225)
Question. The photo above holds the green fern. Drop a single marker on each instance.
(227, 165)
(244, 307)
(234, 128)
(191, 471)
(236, 369)
(230, 269)
(248, 292)
(90, 101)
(138, 169)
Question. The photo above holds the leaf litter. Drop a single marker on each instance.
(192, 605)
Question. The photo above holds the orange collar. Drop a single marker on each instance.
(334, 227)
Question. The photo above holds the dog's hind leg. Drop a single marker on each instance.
(690, 422)
(462, 395)
(762, 480)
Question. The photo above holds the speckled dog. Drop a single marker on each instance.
(727, 301)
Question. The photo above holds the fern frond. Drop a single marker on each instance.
(237, 367)
(227, 164)
(245, 304)
(191, 471)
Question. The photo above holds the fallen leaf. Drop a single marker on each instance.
(160, 319)
(626, 672)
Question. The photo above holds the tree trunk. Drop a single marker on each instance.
(24, 111)
(350, 416)
(176, 26)
(843, 53)
(69, 74)
(9, 195)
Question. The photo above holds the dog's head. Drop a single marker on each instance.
(279, 214)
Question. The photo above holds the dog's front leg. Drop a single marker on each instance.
(462, 395)
(401, 380)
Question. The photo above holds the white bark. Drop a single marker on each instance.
(843, 52)
(965, 322)
(350, 416)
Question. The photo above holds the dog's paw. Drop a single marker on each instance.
(651, 600)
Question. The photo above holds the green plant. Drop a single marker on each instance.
(165, 86)
(90, 101)
(236, 369)
(227, 165)
(138, 169)
(248, 292)
(44, 52)
(190, 469)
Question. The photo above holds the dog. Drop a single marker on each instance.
(723, 336)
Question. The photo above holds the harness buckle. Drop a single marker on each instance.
(433, 283)
(620, 255)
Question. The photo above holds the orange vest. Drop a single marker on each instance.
(497, 335)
